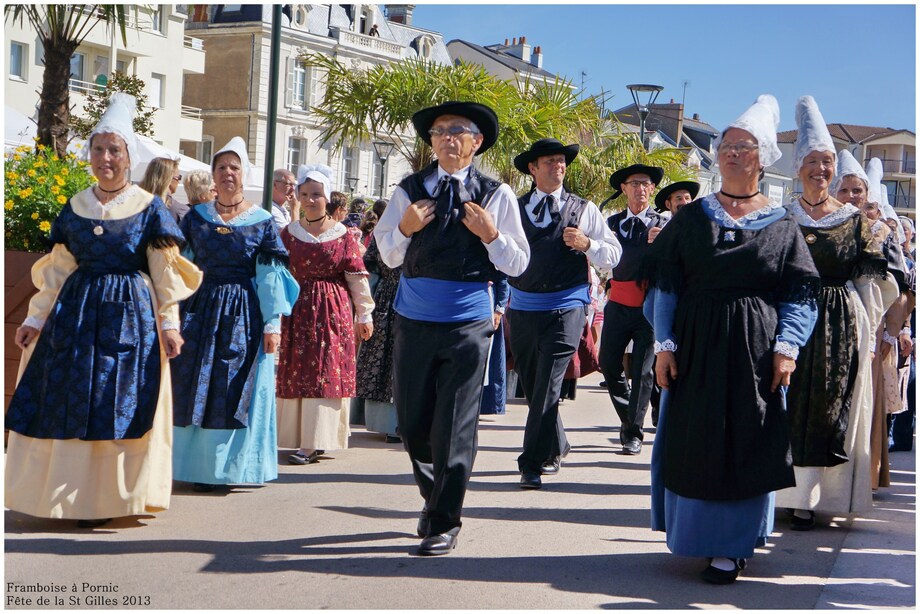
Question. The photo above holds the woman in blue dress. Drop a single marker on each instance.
(224, 384)
(735, 291)
(91, 416)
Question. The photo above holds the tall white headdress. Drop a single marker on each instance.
(761, 119)
(118, 119)
(813, 134)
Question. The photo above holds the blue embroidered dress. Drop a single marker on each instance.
(223, 384)
(89, 418)
(727, 294)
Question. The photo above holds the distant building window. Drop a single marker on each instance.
(314, 79)
(424, 44)
(300, 16)
(77, 62)
(18, 53)
(206, 148)
(349, 165)
(157, 20)
(297, 153)
(157, 88)
(298, 86)
(376, 173)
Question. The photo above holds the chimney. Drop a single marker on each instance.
(537, 58)
(400, 13)
(506, 42)
(696, 117)
(519, 49)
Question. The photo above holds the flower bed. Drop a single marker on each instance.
(37, 183)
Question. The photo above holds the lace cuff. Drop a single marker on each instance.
(665, 346)
(34, 322)
(365, 318)
(786, 349)
(272, 329)
(906, 331)
(889, 339)
(167, 324)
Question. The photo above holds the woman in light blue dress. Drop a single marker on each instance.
(224, 381)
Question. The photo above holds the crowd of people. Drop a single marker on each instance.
(772, 341)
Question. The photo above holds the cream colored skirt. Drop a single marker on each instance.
(313, 424)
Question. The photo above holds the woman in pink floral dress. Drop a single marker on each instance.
(316, 371)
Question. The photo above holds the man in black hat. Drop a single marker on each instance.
(548, 301)
(672, 198)
(623, 317)
(453, 230)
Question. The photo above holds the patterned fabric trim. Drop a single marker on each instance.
(166, 324)
(34, 322)
(906, 331)
(887, 338)
(272, 329)
(786, 349)
(100, 210)
(299, 232)
(830, 220)
(712, 203)
(667, 345)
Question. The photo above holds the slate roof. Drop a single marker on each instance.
(848, 133)
(515, 64)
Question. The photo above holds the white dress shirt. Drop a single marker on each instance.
(510, 252)
(604, 251)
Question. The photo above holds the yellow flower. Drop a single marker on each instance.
(25, 193)
(8, 204)
(41, 148)
(17, 157)
(55, 189)
(30, 172)
(12, 176)
(34, 216)
(44, 226)
(65, 171)
(61, 199)
(59, 180)
(42, 179)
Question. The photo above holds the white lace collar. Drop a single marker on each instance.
(101, 209)
(215, 217)
(299, 232)
(830, 220)
(724, 219)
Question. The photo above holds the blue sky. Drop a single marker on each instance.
(858, 61)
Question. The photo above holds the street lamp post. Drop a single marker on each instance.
(383, 150)
(352, 184)
(652, 91)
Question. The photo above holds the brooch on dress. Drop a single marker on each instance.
(810, 239)
(729, 235)
(224, 230)
(98, 230)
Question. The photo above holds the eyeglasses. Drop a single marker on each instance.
(639, 184)
(177, 178)
(454, 131)
(289, 184)
(738, 148)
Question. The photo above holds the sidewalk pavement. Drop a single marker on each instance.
(340, 534)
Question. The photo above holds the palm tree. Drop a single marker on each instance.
(365, 105)
(61, 29)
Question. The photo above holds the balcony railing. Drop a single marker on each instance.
(84, 87)
(194, 43)
(368, 43)
(190, 112)
(908, 167)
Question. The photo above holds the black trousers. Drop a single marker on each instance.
(438, 372)
(543, 343)
(630, 399)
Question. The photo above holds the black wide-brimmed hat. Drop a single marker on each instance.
(655, 173)
(481, 115)
(545, 147)
(665, 193)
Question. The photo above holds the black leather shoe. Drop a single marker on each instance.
(424, 524)
(443, 543)
(201, 487)
(393, 439)
(714, 575)
(551, 467)
(531, 480)
(92, 524)
(803, 524)
(633, 446)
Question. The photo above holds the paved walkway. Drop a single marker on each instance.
(340, 535)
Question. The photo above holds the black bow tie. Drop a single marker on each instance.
(449, 199)
(547, 202)
(634, 228)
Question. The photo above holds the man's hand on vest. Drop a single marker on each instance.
(479, 222)
(653, 232)
(418, 215)
(576, 239)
